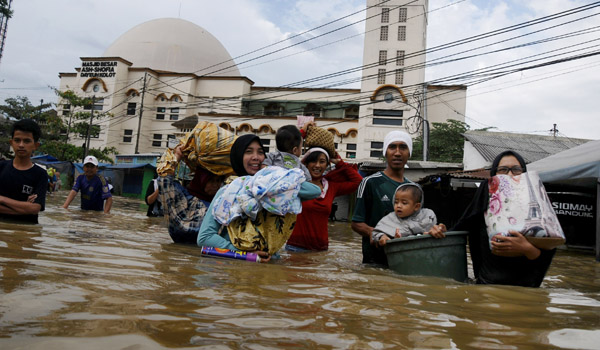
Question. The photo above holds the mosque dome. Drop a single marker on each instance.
(173, 45)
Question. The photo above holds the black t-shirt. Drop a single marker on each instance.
(154, 209)
(20, 184)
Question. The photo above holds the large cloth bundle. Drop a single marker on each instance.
(267, 232)
(260, 211)
(274, 189)
(520, 203)
(207, 146)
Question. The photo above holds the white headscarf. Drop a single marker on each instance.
(314, 149)
(395, 136)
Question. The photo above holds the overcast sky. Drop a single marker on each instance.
(47, 37)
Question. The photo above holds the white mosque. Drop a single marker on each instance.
(161, 77)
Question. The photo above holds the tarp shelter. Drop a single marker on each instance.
(136, 178)
(128, 180)
(65, 168)
(576, 169)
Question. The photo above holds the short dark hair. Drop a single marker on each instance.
(27, 125)
(416, 192)
(288, 137)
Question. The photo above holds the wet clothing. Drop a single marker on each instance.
(212, 234)
(311, 231)
(185, 212)
(374, 200)
(93, 192)
(20, 184)
(154, 209)
(494, 269)
(286, 160)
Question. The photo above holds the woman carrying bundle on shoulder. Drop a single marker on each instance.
(255, 212)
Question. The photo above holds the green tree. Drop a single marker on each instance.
(5, 9)
(79, 116)
(446, 143)
(55, 133)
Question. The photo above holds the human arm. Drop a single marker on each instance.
(514, 245)
(69, 199)
(14, 207)
(209, 230)
(345, 176)
(362, 229)
(437, 231)
(108, 205)
(151, 193)
(309, 191)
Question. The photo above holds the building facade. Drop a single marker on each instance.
(158, 79)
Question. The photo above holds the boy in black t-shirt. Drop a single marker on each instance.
(23, 185)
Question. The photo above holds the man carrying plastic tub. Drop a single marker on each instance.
(375, 195)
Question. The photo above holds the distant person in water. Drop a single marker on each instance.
(23, 184)
(95, 192)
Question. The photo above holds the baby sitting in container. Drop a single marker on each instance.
(408, 218)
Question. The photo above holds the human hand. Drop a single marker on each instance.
(514, 245)
(178, 153)
(32, 198)
(383, 240)
(308, 125)
(264, 256)
(397, 234)
(437, 231)
(335, 160)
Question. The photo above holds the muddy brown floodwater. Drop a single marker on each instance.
(84, 280)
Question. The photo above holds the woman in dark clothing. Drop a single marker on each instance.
(511, 260)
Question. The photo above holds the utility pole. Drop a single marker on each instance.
(87, 144)
(425, 124)
(139, 131)
(554, 130)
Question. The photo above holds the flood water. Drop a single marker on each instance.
(84, 280)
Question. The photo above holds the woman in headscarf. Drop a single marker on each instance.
(310, 232)
(247, 155)
(511, 260)
(186, 207)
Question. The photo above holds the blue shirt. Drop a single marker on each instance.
(93, 192)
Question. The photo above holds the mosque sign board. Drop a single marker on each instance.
(98, 69)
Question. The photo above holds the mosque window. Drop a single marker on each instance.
(385, 15)
(399, 77)
(403, 14)
(351, 146)
(400, 57)
(131, 108)
(388, 117)
(383, 34)
(127, 135)
(160, 113)
(382, 57)
(312, 109)
(376, 149)
(272, 109)
(381, 76)
(402, 33)
(157, 140)
(174, 113)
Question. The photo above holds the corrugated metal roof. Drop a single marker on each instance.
(531, 147)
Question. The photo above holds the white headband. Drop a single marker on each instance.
(395, 136)
(315, 149)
